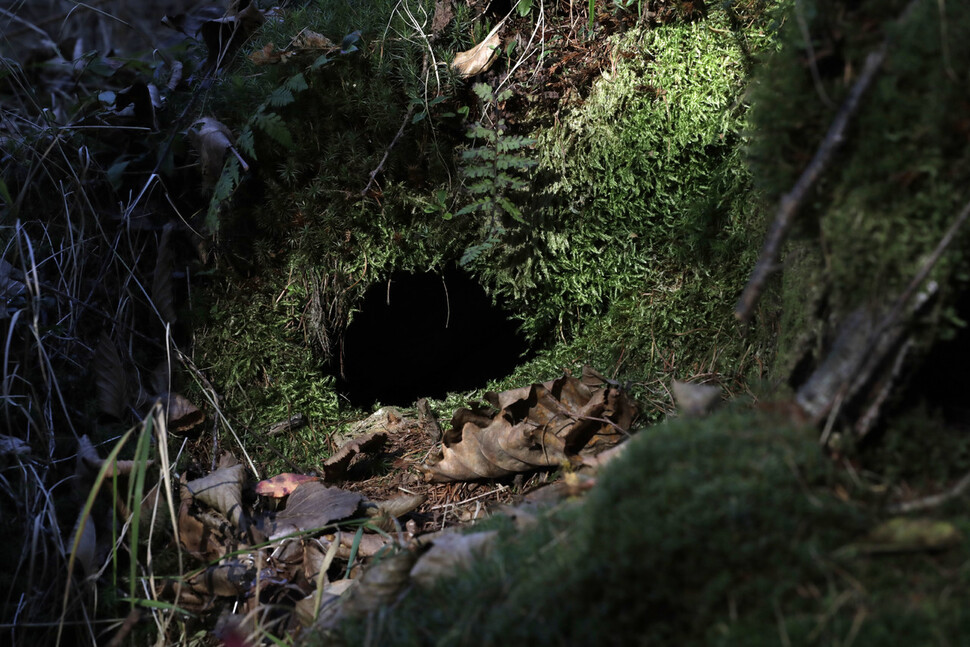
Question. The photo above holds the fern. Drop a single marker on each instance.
(224, 189)
(273, 125)
(498, 168)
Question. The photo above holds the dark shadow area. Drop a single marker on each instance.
(940, 381)
(423, 335)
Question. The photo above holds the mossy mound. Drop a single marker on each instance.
(634, 240)
(900, 178)
(724, 531)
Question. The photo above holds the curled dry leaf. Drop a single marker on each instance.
(336, 466)
(480, 57)
(541, 425)
(211, 140)
(182, 416)
(222, 490)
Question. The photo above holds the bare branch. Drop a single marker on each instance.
(792, 201)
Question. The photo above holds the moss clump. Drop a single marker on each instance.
(645, 225)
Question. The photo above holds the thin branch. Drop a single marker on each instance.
(931, 501)
(792, 201)
(400, 131)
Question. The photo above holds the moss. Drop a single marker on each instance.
(645, 226)
(720, 531)
(900, 178)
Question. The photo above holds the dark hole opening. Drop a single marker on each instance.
(939, 380)
(423, 335)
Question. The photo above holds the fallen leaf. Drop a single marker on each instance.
(222, 490)
(313, 505)
(336, 466)
(212, 140)
(282, 484)
(541, 425)
(480, 57)
(183, 417)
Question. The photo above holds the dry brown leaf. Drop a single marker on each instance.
(480, 57)
(336, 466)
(449, 553)
(198, 539)
(313, 505)
(110, 378)
(541, 425)
(212, 140)
(183, 417)
(222, 490)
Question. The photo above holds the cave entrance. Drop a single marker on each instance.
(424, 335)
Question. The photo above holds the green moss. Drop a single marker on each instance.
(645, 226)
(257, 355)
(900, 178)
(721, 532)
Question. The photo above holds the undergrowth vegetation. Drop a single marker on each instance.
(191, 229)
(727, 531)
(902, 173)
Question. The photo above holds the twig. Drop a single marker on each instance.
(790, 203)
(400, 131)
(932, 501)
(497, 490)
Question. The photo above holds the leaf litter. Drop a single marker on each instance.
(316, 553)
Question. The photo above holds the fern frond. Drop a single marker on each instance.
(273, 125)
